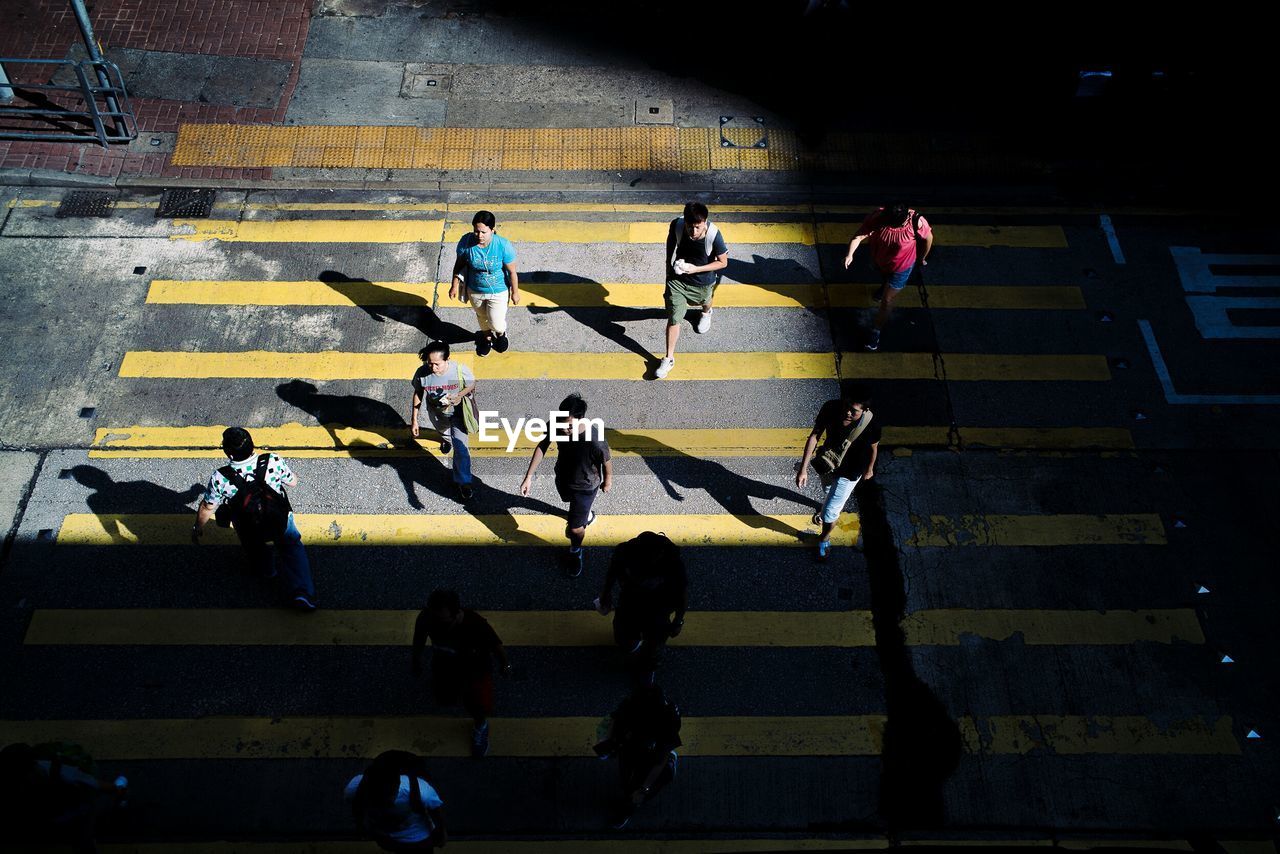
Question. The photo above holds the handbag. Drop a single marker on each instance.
(829, 460)
(470, 414)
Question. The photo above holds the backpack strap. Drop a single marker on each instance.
(863, 422)
(234, 477)
(915, 224)
(709, 240)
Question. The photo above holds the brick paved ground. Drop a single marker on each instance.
(257, 29)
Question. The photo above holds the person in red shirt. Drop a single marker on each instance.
(463, 647)
(892, 232)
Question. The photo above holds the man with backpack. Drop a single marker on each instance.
(652, 598)
(696, 253)
(394, 802)
(248, 494)
(894, 232)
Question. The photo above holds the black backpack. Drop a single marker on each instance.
(258, 512)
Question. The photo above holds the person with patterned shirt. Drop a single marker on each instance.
(245, 467)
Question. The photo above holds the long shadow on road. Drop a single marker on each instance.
(922, 743)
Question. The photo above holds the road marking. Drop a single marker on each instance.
(1203, 276)
(331, 365)
(508, 846)
(310, 230)
(1173, 397)
(592, 294)
(418, 529)
(239, 738)
(337, 440)
(585, 231)
(1063, 529)
(974, 367)
(264, 627)
(1114, 242)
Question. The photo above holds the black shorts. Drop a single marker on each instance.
(579, 505)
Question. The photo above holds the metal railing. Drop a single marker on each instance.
(102, 110)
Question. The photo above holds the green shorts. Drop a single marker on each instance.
(679, 295)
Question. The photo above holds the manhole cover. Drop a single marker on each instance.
(743, 132)
(87, 203)
(185, 203)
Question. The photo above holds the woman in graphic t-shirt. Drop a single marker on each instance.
(441, 387)
(485, 275)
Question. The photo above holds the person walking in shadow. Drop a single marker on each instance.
(249, 495)
(898, 237)
(643, 732)
(485, 275)
(463, 646)
(653, 597)
(395, 802)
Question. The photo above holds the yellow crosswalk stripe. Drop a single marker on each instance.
(252, 627)
(853, 735)
(338, 440)
(1046, 530)
(524, 529)
(505, 845)
(968, 367)
(721, 529)
(582, 231)
(331, 365)
(617, 294)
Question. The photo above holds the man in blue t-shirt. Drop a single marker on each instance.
(485, 275)
(696, 253)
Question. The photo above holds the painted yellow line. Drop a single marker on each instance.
(628, 295)
(184, 626)
(253, 627)
(1015, 236)
(338, 440)
(310, 230)
(573, 231)
(861, 735)
(1048, 530)
(332, 365)
(973, 367)
(693, 529)
(1070, 735)
(511, 366)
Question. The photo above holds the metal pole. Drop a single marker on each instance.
(6, 91)
(91, 47)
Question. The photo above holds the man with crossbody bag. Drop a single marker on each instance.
(847, 456)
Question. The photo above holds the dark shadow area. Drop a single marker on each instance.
(674, 468)
(598, 316)
(12, 118)
(130, 496)
(401, 453)
(762, 272)
(384, 304)
(922, 744)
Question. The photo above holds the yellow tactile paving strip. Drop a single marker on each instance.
(659, 148)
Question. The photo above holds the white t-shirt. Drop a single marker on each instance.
(220, 489)
(402, 823)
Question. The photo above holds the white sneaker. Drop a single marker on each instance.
(703, 324)
(664, 367)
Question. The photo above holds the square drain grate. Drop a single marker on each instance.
(185, 203)
(87, 203)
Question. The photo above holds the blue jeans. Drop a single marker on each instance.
(454, 428)
(837, 496)
(297, 568)
(898, 280)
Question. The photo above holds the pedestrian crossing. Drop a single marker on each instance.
(843, 613)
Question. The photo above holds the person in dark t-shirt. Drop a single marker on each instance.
(583, 469)
(654, 586)
(643, 733)
(463, 646)
(696, 253)
(850, 442)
